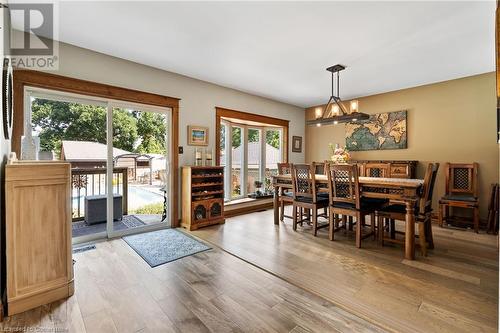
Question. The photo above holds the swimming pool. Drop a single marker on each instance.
(138, 196)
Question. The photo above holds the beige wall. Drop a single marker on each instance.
(198, 98)
(452, 121)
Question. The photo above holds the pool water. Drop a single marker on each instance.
(138, 196)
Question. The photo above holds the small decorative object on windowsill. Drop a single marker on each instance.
(339, 155)
(198, 157)
(258, 187)
(208, 158)
(260, 192)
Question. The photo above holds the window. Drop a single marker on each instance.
(273, 152)
(256, 145)
(254, 153)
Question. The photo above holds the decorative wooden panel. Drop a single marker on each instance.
(38, 234)
(398, 169)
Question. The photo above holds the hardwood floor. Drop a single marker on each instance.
(454, 289)
(117, 291)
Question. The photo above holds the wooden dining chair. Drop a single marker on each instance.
(285, 195)
(305, 195)
(379, 170)
(493, 205)
(345, 199)
(461, 191)
(423, 212)
(321, 168)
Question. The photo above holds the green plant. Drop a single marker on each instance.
(237, 190)
(155, 208)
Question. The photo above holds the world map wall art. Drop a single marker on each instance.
(382, 131)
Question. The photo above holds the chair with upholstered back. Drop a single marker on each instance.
(345, 199)
(285, 196)
(423, 210)
(305, 194)
(379, 170)
(461, 191)
(321, 167)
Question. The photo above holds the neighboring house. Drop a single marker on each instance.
(273, 157)
(88, 154)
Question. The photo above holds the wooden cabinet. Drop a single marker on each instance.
(202, 196)
(38, 234)
(398, 169)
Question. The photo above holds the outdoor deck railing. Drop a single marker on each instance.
(86, 182)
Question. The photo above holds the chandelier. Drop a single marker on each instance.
(335, 112)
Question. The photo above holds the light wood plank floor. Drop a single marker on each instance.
(117, 291)
(454, 289)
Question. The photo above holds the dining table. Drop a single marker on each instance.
(404, 190)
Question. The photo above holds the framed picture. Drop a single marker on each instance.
(297, 144)
(197, 136)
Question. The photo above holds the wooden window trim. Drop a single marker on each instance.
(229, 113)
(30, 78)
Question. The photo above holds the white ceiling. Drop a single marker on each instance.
(280, 50)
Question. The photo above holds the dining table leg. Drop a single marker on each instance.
(410, 231)
(276, 205)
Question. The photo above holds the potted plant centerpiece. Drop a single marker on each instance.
(339, 155)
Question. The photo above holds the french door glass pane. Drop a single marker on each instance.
(274, 155)
(75, 132)
(222, 145)
(254, 153)
(223, 160)
(236, 162)
(140, 168)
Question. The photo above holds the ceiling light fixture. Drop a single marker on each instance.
(335, 111)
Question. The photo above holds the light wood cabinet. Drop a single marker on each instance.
(202, 196)
(38, 234)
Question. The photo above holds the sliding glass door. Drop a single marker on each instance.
(119, 154)
(140, 160)
(72, 129)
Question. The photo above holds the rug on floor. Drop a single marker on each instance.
(80, 228)
(162, 246)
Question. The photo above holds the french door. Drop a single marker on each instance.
(120, 155)
(249, 154)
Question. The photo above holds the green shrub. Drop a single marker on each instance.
(155, 208)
